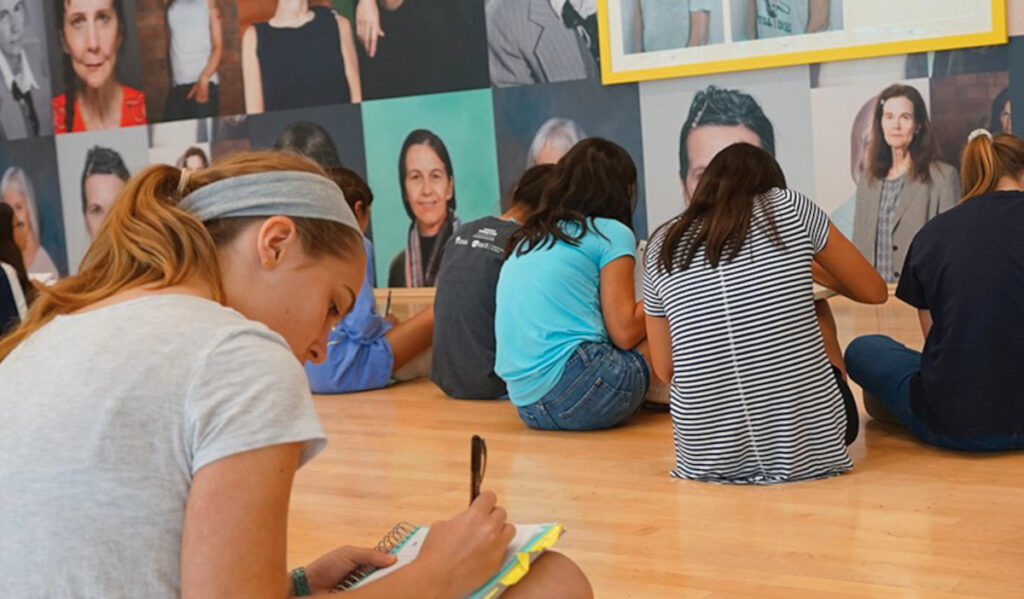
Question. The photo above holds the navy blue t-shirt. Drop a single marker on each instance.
(966, 266)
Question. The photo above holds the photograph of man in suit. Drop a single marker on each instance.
(24, 81)
(538, 41)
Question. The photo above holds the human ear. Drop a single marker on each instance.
(276, 238)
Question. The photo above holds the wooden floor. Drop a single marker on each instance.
(908, 521)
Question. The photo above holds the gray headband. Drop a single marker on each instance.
(286, 193)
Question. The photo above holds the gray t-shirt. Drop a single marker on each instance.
(107, 416)
(778, 18)
(463, 360)
(666, 23)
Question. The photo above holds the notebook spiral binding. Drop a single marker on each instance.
(391, 541)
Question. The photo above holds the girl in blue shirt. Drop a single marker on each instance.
(570, 335)
(365, 349)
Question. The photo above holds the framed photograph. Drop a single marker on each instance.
(657, 39)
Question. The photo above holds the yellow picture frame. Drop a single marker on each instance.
(997, 35)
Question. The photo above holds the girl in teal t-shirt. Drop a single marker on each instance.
(570, 335)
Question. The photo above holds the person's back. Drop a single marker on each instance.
(568, 328)
(728, 290)
(549, 303)
(464, 305)
(964, 272)
(966, 267)
(754, 398)
(110, 441)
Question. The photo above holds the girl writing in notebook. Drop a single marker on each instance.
(176, 452)
(569, 333)
(732, 326)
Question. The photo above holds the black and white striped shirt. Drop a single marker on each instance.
(753, 397)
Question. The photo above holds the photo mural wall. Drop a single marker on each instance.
(442, 104)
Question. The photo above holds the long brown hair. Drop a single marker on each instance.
(924, 150)
(595, 179)
(9, 251)
(719, 216)
(986, 160)
(147, 240)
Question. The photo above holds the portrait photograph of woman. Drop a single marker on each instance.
(428, 194)
(297, 53)
(28, 184)
(97, 54)
(431, 164)
(905, 183)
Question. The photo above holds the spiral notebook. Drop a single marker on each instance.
(405, 541)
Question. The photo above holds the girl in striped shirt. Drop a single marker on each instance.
(732, 326)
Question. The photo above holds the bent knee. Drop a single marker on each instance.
(553, 574)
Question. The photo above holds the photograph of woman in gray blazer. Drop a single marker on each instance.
(905, 183)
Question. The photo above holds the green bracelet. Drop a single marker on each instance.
(300, 582)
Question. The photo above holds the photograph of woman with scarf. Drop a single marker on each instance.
(427, 181)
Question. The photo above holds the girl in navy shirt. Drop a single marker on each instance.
(965, 275)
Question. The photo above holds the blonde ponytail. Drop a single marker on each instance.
(986, 160)
(978, 167)
(147, 240)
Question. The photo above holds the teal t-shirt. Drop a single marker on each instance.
(548, 302)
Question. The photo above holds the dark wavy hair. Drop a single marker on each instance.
(725, 108)
(417, 137)
(595, 179)
(995, 124)
(531, 185)
(309, 140)
(718, 217)
(70, 79)
(9, 251)
(103, 161)
(924, 150)
(352, 185)
(195, 151)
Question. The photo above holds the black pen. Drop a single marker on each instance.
(477, 465)
(387, 306)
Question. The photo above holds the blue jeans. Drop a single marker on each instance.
(601, 386)
(884, 368)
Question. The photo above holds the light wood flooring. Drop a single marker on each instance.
(908, 521)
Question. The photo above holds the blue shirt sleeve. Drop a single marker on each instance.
(613, 239)
(363, 322)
